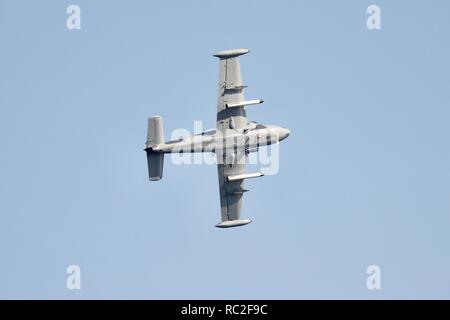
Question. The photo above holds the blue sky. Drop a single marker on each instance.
(364, 176)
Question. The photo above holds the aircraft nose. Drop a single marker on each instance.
(284, 133)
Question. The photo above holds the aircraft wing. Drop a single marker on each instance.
(231, 188)
(231, 116)
(230, 91)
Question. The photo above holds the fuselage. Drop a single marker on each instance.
(248, 139)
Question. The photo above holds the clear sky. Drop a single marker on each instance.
(364, 176)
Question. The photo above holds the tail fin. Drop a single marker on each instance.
(155, 160)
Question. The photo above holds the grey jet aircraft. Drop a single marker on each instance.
(232, 140)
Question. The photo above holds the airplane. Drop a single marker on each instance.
(232, 140)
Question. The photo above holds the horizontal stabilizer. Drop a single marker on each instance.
(244, 103)
(155, 162)
(244, 176)
(155, 131)
(233, 223)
